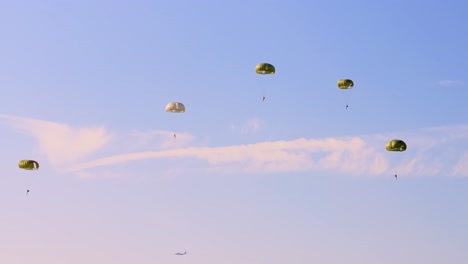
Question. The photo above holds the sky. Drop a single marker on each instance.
(297, 178)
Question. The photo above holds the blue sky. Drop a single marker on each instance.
(295, 179)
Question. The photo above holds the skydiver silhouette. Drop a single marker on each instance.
(396, 176)
(174, 135)
(263, 99)
(27, 191)
(346, 106)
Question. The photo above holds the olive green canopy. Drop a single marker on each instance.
(396, 145)
(265, 68)
(175, 107)
(28, 165)
(345, 84)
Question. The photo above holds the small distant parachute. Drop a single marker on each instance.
(175, 107)
(28, 165)
(265, 68)
(396, 145)
(345, 84)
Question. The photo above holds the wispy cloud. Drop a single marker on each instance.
(450, 82)
(159, 139)
(110, 174)
(461, 168)
(62, 144)
(252, 125)
(431, 151)
(348, 155)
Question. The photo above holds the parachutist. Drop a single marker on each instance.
(263, 98)
(174, 135)
(396, 176)
(346, 106)
(27, 191)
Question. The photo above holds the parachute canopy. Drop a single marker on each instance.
(345, 84)
(265, 68)
(28, 165)
(396, 145)
(175, 107)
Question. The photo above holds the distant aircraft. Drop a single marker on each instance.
(180, 254)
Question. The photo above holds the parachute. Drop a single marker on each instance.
(265, 68)
(345, 84)
(175, 107)
(28, 165)
(396, 145)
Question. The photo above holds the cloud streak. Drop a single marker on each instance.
(347, 155)
(252, 125)
(431, 151)
(450, 82)
(159, 138)
(62, 144)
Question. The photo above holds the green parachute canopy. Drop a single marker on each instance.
(396, 145)
(345, 84)
(265, 68)
(175, 107)
(28, 165)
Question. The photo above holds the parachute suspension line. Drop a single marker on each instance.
(177, 108)
(262, 82)
(264, 95)
(348, 98)
(260, 88)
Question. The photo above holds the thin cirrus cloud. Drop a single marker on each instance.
(252, 125)
(346, 155)
(461, 167)
(159, 138)
(60, 143)
(450, 82)
(431, 151)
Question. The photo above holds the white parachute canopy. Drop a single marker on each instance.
(175, 107)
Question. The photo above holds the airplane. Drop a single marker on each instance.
(180, 254)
